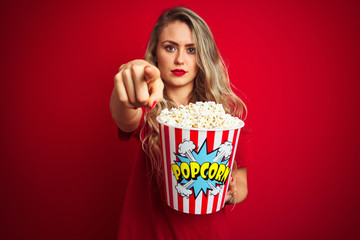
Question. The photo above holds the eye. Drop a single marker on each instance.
(170, 48)
(191, 50)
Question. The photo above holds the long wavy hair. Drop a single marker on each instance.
(210, 84)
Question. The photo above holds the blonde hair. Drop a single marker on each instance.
(210, 84)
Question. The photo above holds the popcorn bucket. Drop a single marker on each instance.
(197, 166)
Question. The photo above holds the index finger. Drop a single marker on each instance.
(155, 85)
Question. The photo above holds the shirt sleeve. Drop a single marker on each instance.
(244, 155)
(125, 136)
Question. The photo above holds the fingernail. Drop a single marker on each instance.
(153, 105)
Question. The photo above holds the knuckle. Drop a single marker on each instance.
(123, 99)
(142, 99)
(124, 73)
(117, 78)
(132, 101)
(136, 68)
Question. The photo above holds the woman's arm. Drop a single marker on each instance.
(125, 117)
(238, 186)
(137, 84)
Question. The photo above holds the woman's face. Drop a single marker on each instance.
(176, 55)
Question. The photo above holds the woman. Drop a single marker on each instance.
(182, 65)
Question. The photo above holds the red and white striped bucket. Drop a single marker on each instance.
(197, 166)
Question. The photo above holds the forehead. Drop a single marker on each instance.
(177, 31)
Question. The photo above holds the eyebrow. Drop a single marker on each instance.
(176, 44)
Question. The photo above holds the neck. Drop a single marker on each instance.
(179, 96)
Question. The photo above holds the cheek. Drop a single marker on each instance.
(162, 61)
(162, 65)
(193, 62)
(195, 66)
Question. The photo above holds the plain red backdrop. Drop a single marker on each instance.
(63, 171)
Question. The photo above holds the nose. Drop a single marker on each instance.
(179, 60)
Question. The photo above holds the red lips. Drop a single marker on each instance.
(178, 72)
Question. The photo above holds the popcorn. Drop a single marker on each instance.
(206, 115)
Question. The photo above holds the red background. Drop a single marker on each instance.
(63, 171)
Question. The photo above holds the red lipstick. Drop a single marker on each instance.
(178, 72)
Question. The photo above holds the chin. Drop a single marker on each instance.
(178, 83)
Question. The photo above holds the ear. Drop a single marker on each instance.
(155, 59)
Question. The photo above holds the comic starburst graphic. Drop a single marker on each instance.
(201, 157)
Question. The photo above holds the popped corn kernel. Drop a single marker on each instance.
(207, 115)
